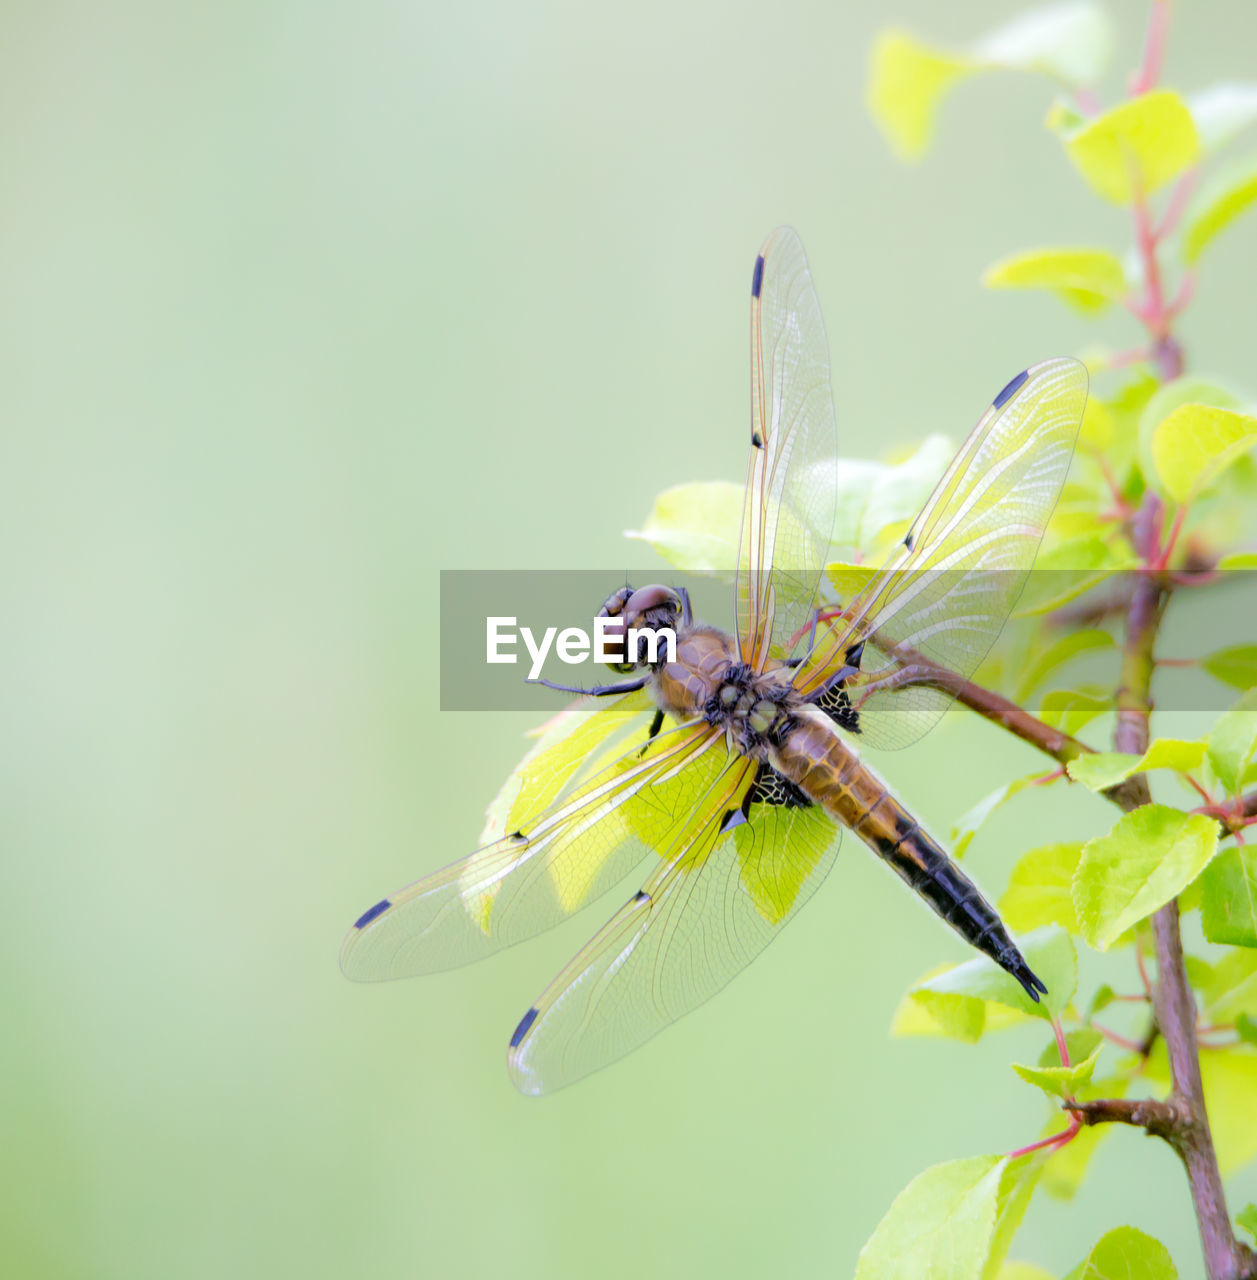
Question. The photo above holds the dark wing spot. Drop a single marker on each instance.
(1009, 391)
(522, 1030)
(757, 280)
(757, 440)
(907, 540)
(771, 787)
(854, 654)
(835, 702)
(367, 916)
(641, 896)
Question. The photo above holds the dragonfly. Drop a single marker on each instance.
(733, 765)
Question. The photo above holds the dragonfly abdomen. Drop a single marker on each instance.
(816, 760)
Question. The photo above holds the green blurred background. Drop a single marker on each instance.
(305, 302)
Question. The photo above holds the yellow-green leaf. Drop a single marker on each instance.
(1235, 665)
(1102, 770)
(1015, 1270)
(939, 1227)
(1040, 889)
(1073, 709)
(696, 526)
(970, 822)
(1105, 769)
(1239, 560)
(1230, 987)
(1060, 1081)
(1048, 951)
(1088, 278)
(907, 82)
(1233, 740)
(1216, 207)
(1247, 1218)
(1230, 1080)
(1126, 1254)
(1196, 443)
(1228, 904)
(1065, 571)
(1070, 646)
(1149, 857)
(1136, 147)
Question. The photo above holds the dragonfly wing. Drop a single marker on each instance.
(719, 900)
(788, 510)
(561, 847)
(944, 598)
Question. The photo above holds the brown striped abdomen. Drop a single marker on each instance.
(817, 760)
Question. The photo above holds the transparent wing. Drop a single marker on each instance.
(570, 832)
(941, 602)
(788, 510)
(718, 901)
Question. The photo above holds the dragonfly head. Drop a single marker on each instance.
(653, 608)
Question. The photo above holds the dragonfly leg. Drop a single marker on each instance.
(598, 691)
(908, 675)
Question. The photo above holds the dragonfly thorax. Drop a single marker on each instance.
(708, 681)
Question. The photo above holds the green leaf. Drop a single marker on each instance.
(1149, 856)
(1246, 1029)
(1195, 444)
(1247, 1218)
(1016, 1186)
(1230, 1080)
(1103, 997)
(970, 822)
(1222, 110)
(1226, 196)
(1103, 769)
(1070, 646)
(1240, 560)
(1040, 889)
(907, 82)
(1126, 1254)
(1236, 665)
(1232, 741)
(1048, 951)
(1137, 147)
(1089, 279)
(940, 1226)
(1072, 709)
(696, 526)
(1059, 1081)
(1069, 42)
(1228, 907)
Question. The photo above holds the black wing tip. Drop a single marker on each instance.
(372, 913)
(757, 280)
(1010, 389)
(522, 1030)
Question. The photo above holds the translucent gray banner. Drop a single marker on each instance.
(500, 628)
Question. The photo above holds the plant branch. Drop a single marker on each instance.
(1182, 1119)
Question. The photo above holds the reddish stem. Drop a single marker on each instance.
(1154, 49)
